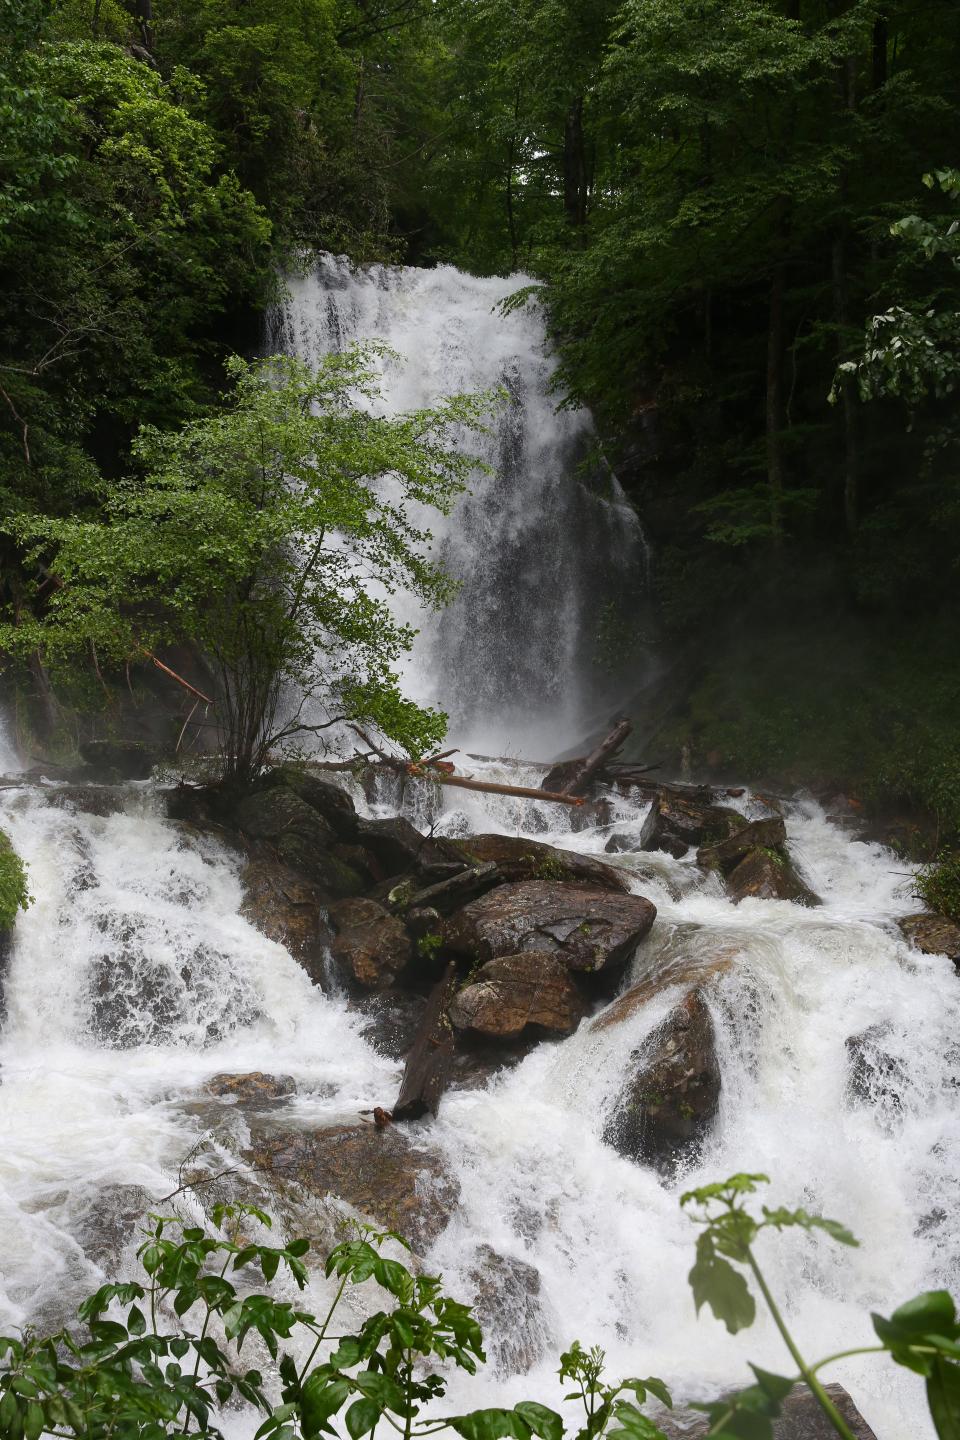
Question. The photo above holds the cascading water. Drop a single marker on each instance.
(134, 978)
(546, 557)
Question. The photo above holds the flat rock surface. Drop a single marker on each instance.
(591, 929)
(396, 1184)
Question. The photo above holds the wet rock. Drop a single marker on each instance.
(107, 1222)
(392, 1182)
(323, 795)
(769, 833)
(623, 842)
(400, 847)
(372, 947)
(506, 1298)
(590, 929)
(298, 835)
(427, 1070)
(875, 1075)
(288, 909)
(521, 859)
(666, 1109)
(768, 875)
(673, 968)
(254, 1086)
(391, 1020)
(99, 800)
(130, 759)
(449, 894)
(360, 860)
(678, 821)
(801, 1419)
(932, 935)
(517, 993)
(423, 920)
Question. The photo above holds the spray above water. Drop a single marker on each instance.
(547, 548)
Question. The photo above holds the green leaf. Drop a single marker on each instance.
(490, 1425)
(361, 1417)
(943, 1397)
(931, 1313)
(778, 1387)
(542, 1421)
(320, 1398)
(715, 1283)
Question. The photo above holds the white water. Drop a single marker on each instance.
(134, 979)
(540, 554)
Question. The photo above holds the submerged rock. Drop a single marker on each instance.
(516, 993)
(391, 1020)
(932, 935)
(875, 1075)
(591, 929)
(506, 1298)
(802, 1419)
(669, 1105)
(519, 859)
(251, 1087)
(676, 822)
(392, 1182)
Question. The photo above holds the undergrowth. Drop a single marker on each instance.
(14, 892)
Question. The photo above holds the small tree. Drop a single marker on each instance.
(271, 536)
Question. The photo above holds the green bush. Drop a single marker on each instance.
(14, 894)
(938, 886)
(162, 1370)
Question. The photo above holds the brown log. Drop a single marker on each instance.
(523, 791)
(179, 678)
(571, 777)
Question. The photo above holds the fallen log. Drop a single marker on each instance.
(523, 791)
(597, 759)
(428, 1064)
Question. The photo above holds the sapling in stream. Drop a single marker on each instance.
(163, 1358)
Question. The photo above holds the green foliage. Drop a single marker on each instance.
(938, 886)
(14, 890)
(254, 534)
(162, 1358)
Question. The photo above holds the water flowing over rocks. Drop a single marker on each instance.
(592, 930)
(678, 821)
(391, 1181)
(506, 1296)
(289, 909)
(665, 1110)
(768, 875)
(255, 1087)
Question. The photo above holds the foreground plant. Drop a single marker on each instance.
(162, 1359)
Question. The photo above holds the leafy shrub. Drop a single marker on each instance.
(175, 1355)
(938, 886)
(14, 894)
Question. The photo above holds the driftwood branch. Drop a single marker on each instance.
(597, 759)
(179, 678)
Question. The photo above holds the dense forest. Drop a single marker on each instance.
(739, 217)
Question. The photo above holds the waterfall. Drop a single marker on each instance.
(546, 547)
(135, 978)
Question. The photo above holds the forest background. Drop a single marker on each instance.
(739, 215)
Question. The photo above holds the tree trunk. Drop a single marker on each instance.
(881, 37)
(596, 760)
(574, 165)
(841, 313)
(775, 404)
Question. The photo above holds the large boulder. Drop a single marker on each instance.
(297, 834)
(532, 991)
(669, 1104)
(400, 848)
(765, 874)
(392, 1182)
(801, 1419)
(289, 909)
(519, 859)
(932, 935)
(590, 929)
(123, 759)
(726, 854)
(323, 795)
(372, 947)
(677, 821)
